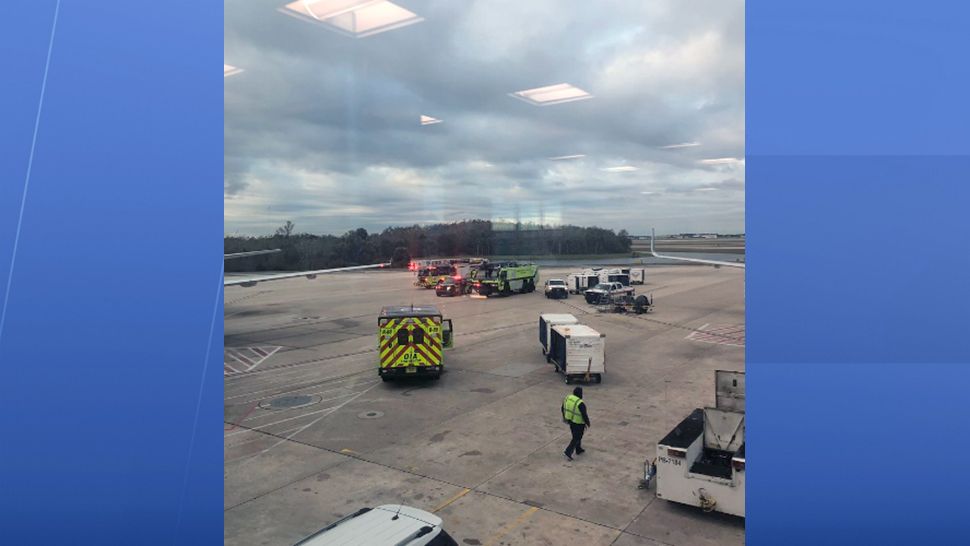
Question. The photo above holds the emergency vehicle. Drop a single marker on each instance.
(430, 276)
(504, 278)
(410, 341)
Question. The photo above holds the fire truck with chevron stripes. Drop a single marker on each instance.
(411, 341)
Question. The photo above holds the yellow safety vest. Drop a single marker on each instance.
(571, 409)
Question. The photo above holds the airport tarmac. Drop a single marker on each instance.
(312, 434)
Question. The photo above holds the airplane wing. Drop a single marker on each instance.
(251, 253)
(308, 274)
(715, 263)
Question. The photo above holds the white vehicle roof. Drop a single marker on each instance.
(376, 527)
(576, 330)
(556, 280)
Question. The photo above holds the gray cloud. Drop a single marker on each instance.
(323, 129)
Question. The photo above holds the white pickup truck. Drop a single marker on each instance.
(605, 291)
(556, 288)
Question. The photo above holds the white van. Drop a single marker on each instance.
(387, 525)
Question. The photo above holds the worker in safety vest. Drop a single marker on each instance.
(575, 415)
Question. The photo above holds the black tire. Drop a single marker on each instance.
(598, 378)
(548, 359)
(437, 376)
(384, 378)
(569, 380)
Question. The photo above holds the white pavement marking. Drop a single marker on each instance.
(256, 356)
(722, 334)
(280, 411)
(315, 421)
(338, 379)
(691, 335)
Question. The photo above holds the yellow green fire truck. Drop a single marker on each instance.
(504, 278)
(430, 276)
(411, 340)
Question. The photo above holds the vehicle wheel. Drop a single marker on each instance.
(598, 378)
(385, 379)
(569, 380)
(437, 376)
(548, 359)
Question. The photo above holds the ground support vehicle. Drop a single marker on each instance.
(411, 340)
(701, 461)
(638, 275)
(625, 303)
(614, 275)
(547, 321)
(582, 281)
(605, 293)
(578, 352)
(556, 289)
(504, 278)
(391, 524)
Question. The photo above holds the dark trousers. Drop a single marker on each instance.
(576, 444)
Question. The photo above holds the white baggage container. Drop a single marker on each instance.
(578, 351)
(580, 282)
(615, 275)
(547, 321)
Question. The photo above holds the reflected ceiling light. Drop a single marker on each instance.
(358, 18)
(565, 157)
(229, 70)
(552, 94)
(720, 161)
(620, 169)
(681, 145)
(325, 9)
(428, 120)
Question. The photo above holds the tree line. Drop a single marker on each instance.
(302, 251)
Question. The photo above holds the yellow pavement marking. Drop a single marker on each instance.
(345, 450)
(508, 528)
(457, 496)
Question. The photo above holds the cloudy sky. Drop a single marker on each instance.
(323, 129)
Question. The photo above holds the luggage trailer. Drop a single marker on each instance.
(547, 321)
(578, 351)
